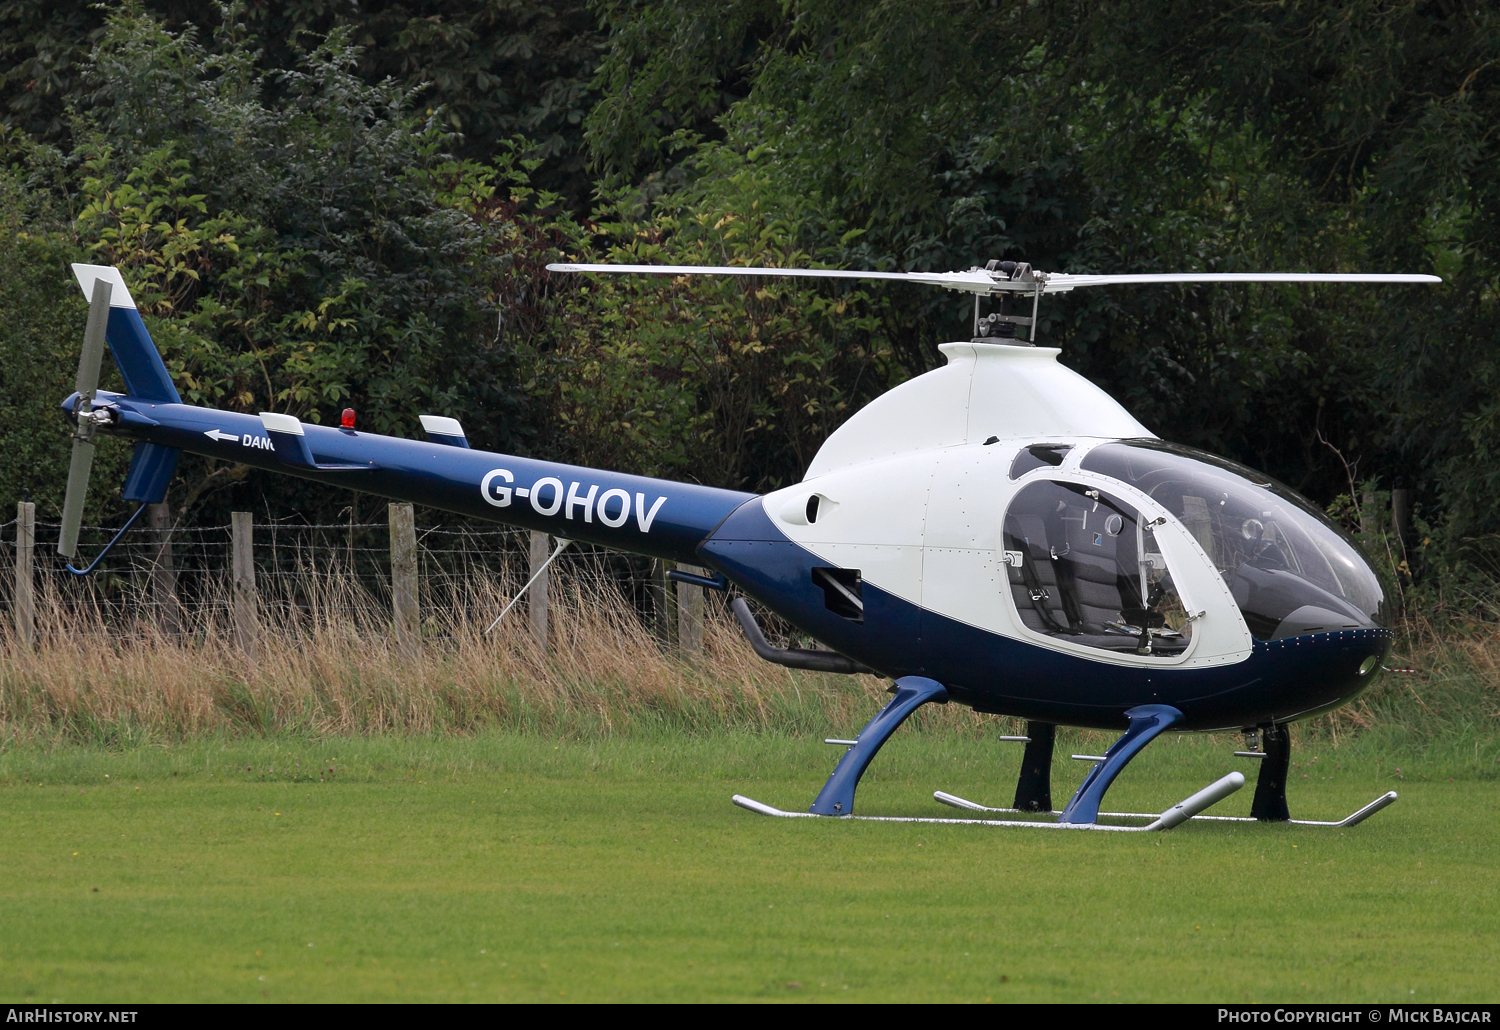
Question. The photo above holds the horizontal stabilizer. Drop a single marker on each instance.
(289, 441)
(443, 430)
(119, 295)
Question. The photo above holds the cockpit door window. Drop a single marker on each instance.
(1085, 566)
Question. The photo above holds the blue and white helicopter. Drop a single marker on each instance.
(998, 533)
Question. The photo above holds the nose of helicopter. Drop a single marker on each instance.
(1315, 671)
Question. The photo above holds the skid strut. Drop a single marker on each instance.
(1269, 805)
(912, 692)
(1034, 785)
(1147, 722)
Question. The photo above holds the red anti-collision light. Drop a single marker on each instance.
(347, 421)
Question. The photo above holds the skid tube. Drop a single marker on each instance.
(1178, 814)
(1386, 799)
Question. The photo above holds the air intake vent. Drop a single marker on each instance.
(842, 592)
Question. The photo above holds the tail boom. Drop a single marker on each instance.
(656, 517)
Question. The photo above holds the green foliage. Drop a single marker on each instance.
(299, 253)
(39, 340)
(296, 241)
(672, 70)
(495, 68)
(1385, 111)
(327, 207)
(729, 382)
(1140, 137)
(338, 283)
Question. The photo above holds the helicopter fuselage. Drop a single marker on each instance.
(999, 525)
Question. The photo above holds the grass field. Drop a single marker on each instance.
(528, 868)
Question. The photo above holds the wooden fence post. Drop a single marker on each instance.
(663, 603)
(404, 578)
(25, 592)
(246, 621)
(537, 596)
(690, 614)
(1401, 510)
(164, 572)
(1367, 520)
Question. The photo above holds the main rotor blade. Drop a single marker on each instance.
(78, 489)
(92, 358)
(974, 282)
(1061, 282)
(984, 282)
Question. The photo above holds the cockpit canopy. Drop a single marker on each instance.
(1291, 570)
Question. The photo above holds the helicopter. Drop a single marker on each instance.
(998, 532)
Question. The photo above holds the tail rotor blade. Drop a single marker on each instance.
(89, 364)
(78, 489)
(92, 358)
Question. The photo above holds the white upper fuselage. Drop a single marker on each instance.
(910, 493)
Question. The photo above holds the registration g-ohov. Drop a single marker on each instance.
(548, 498)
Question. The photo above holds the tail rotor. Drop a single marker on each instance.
(89, 365)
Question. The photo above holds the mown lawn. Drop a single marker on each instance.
(530, 869)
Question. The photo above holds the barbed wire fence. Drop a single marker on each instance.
(181, 580)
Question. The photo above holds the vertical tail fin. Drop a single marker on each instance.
(140, 363)
(146, 378)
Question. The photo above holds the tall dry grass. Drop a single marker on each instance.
(328, 664)
(1446, 684)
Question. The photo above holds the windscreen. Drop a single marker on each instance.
(1291, 570)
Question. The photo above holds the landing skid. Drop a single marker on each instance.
(1033, 793)
(1360, 816)
(1179, 813)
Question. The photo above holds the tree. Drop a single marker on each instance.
(301, 247)
(496, 68)
(1137, 137)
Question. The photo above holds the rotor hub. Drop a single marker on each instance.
(1000, 326)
